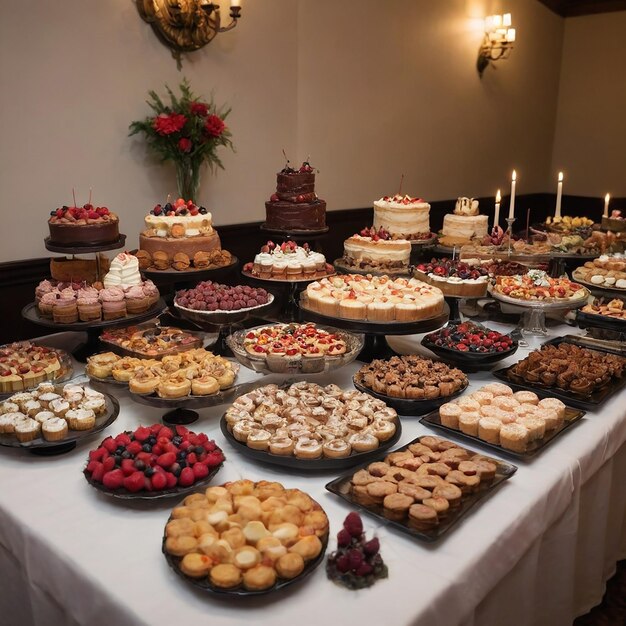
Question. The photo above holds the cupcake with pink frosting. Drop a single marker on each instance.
(151, 291)
(136, 300)
(44, 287)
(113, 303)
(89, 306)
(65, 310)
(47, 302)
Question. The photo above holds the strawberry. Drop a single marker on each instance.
(147, 483)
(192, 458)
(200, 471)
(142, 433)
(108, 464)
(113, 480)
(122, 439)
(181, 430)
(146, 457)
(92, 465)
(128, 466)
(98, 454)
(167, 459)
(155, 428)
(60, 213)
(109, 444)
(135, 482)
(213, 459)
(186, 478)
(159, 481)
(171, 480)
(165, 432)
(134, 447)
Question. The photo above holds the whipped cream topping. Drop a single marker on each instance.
(123, 272)
(466, 206)
(299, 256)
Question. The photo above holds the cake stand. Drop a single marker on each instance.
(299, 236)
(343, 268)
(454, 302)
(226, 322)
(290, 288)
(376, 346)
(31, 313)
(534, 311)
(419, 247)
(86, 249)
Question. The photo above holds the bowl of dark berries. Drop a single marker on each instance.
(470, 344)
(214, 303)
(357, 562)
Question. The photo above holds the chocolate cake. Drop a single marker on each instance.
(83, 226)
(295, 205)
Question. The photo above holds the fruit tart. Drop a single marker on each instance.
(153, 461)
(454, 278)
(537, 286)
(470, 337)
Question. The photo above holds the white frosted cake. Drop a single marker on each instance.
(403, 217)
(464, 224)
(374, 250)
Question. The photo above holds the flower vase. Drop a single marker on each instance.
(188, 179)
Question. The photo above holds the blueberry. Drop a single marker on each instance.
(183, 211)
(202, 211)
(149, 471)
(118, 459)
(182, 454)
(151, 440)
(168, 207)
(182, 464)
(120, 450)
(177, 440)
(126, 454)
(53, 212)
(176, 471)
(140, 465)
(146, 447)
(198, 450)
(473, 348)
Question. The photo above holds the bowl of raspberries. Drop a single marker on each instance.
(220, 304)
(470, 344)
(153, 462)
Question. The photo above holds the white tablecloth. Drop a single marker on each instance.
(537, 551)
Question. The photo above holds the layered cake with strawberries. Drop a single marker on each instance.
(295, 205)
(180, 235)
(288, 261)
(374, 250)
(464, 225)
(454, 278)
(403, 217)
(83, 226)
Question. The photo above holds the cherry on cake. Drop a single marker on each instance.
(374, 250)
(288, 261)
(403, 217)
(180, 236)
(464, 225)
(83, 226)
(295, 205)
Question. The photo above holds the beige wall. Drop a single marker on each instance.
(590, 139)
(369, 90)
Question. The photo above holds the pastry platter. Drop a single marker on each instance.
(407, 406)
(586, 401)
(283, 364)
(342, 487)
(42, 447)
(572, 417)
(600, 289)
(319, 464)
(471, 360)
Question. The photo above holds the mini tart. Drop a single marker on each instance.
(27, 430)
(204, 385)
(144, 383)
(174, 386)
(80, 419)
(54, 429)
(336, 449)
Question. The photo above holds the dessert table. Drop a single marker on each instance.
(537, 551)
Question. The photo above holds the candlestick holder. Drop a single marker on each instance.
(509, 230)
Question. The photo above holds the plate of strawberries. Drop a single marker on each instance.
(153, 462)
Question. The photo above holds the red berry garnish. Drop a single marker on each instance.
(113, 479)
(135, 482)
(186, 477)
(353, 524)
(167, 459)
(159, 480)
(371, 547)
(343, 538)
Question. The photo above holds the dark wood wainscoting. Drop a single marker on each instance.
(19, 278)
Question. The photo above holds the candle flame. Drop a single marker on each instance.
(498, 197)
(560, 177)
(514, 176)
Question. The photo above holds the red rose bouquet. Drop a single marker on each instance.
(187, 131)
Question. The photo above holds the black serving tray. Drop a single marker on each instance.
(407, 406)
(341, 487)
(594, 320)
(588, 402)
(310, 464)
(572, 416)
(205, 584)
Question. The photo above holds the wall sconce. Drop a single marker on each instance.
(498, 41)
(186, 25)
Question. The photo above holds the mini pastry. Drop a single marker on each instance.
(80, 419)
(422, 517)
(225, 575)
(160, 260)
(181, 262)
(54, 429)
(308, 547)
(196, 565)
(27, 429)
(174, 386)
(396, 505)
(204, 386)
(259, 577)
(289, 565)
(468, 423)
(246, 557)
(514, 437)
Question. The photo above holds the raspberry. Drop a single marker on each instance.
(200, 471)
(364, 569)
(167, 459)
(186, 478)
(343, 563)
(113, 479)
(135, 482)
(353, 524)
(356, 559)
(128, 467)
(343, 538)
(159, 481)
(371, 547)
(92, 215)
(142, 433)
(60, 213)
